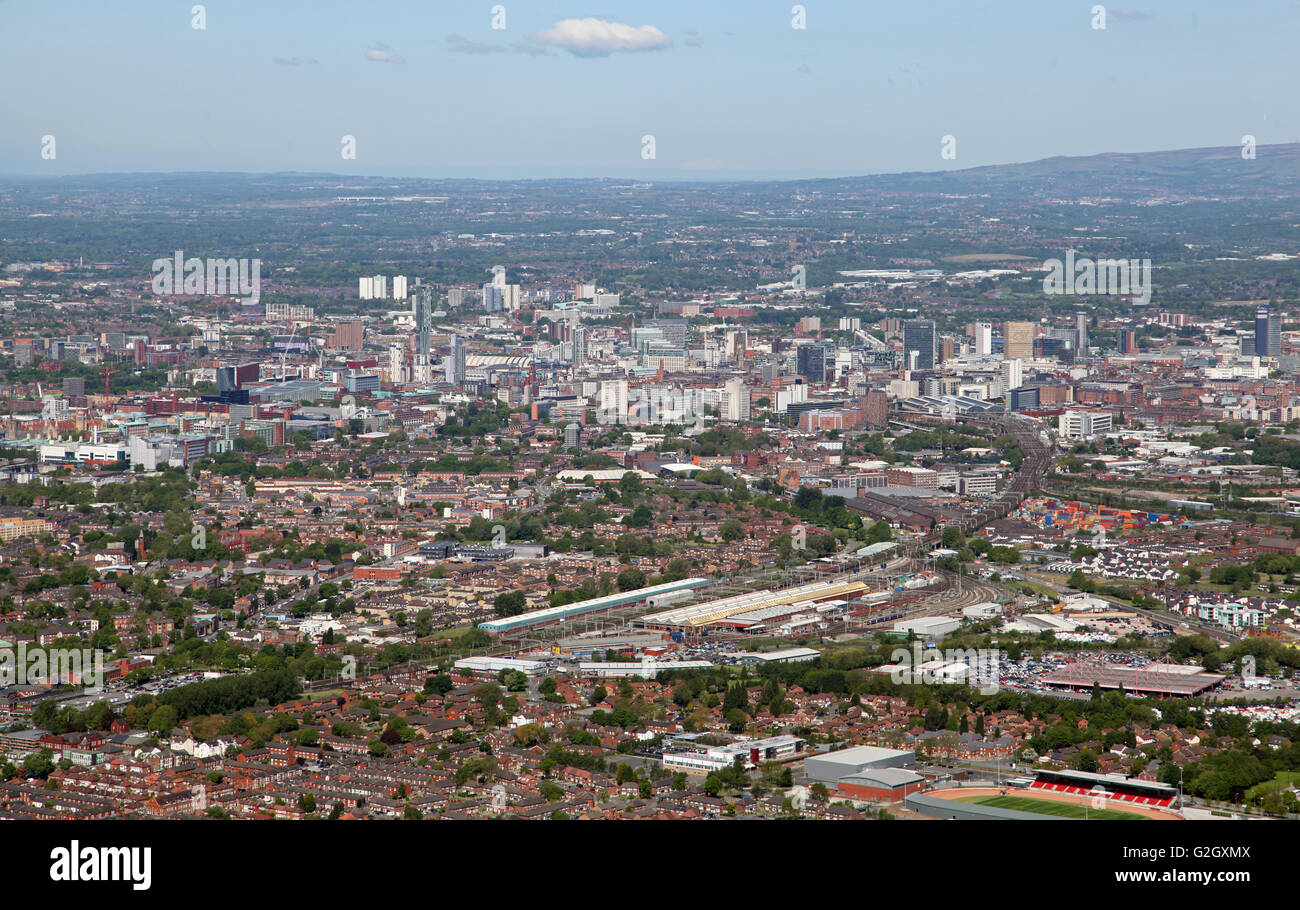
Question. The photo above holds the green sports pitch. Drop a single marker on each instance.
(1049, 807)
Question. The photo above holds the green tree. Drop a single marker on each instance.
(509, 603)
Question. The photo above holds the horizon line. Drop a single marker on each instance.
(634, 179)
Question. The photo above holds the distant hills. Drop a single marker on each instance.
(1197, 173)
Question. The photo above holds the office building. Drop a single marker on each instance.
(361, 382)
(1018, 340)
(289, 312)
(1024, 398)
(672, 331)
(811, 362)
(1083, 424)
(918, 337)
(1268, 332)
(454, 363)
(735, 401)
(347, 336)
(1013, 374)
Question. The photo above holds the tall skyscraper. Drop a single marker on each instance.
(811, 362)
(737, 400)
(366, 287)
(399, 287)
(493, 298)
(613, 401)
(579, 345)
(1268, 332)
(983, 338)
(399, 371)
(1013, 373)
(511, 297)
(1081, 334)
(422, 342)
(380, 286)
(1018, 340)
(918, 335)
(454, 363)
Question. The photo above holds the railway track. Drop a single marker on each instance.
(1035, 466)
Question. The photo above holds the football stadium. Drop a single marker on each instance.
(1053, 795)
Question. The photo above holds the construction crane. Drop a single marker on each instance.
(108, 371)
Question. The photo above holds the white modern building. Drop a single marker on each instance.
(736, 401)
(685, 755)
(1080, 423)
(497, 664)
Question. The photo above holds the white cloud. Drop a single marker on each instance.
(593, 37)
(459, 45)
(380, 53)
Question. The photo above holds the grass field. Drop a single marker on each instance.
(1046, 807)
(1280, 781)
(324, 693)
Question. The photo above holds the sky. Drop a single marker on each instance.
(728, 89)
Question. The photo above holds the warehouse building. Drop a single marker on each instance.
(755, 607)
(829, 767)
(928, 627)
(866, 772)
(885, 784)
(1159, 680)
(553, 615)
(784, 656)
(646, 669)
(495, 665)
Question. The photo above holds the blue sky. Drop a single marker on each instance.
(728, 89)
